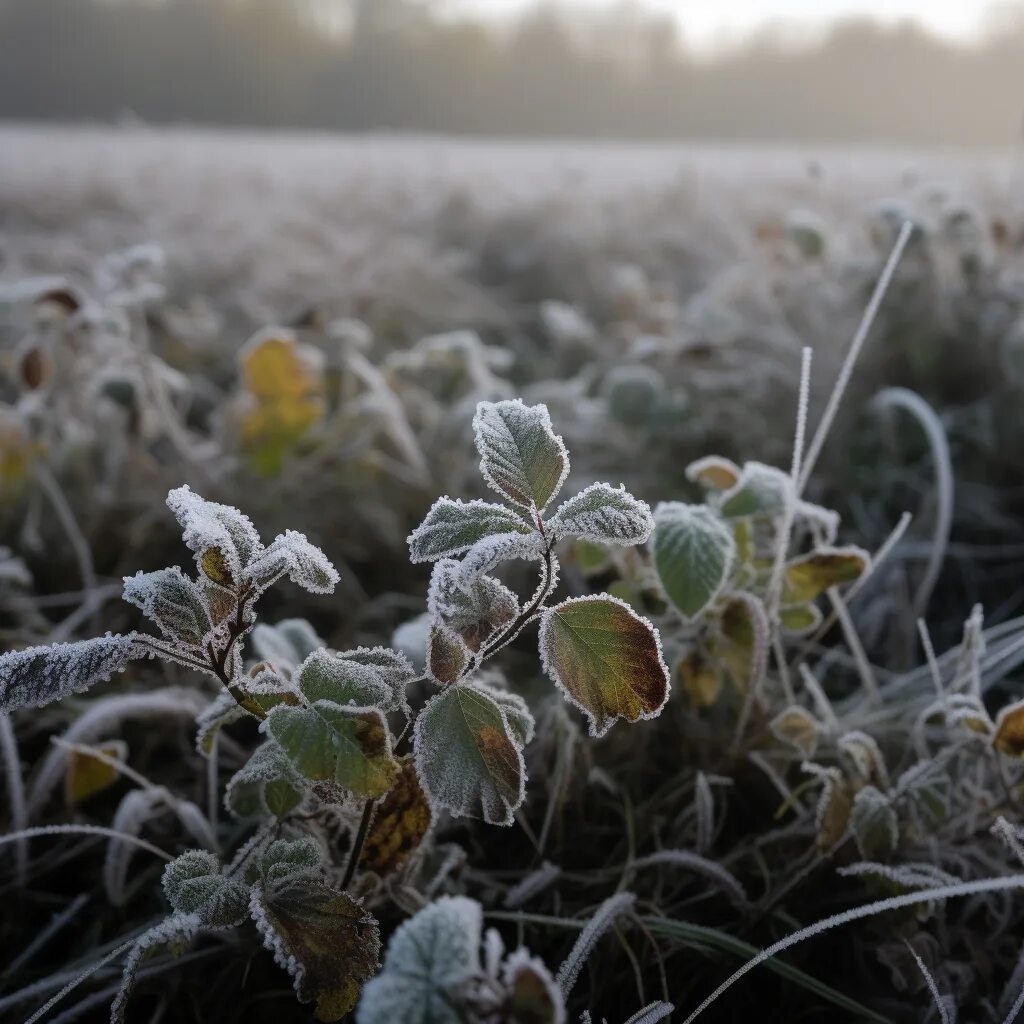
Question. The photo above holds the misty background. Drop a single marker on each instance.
(615, 71)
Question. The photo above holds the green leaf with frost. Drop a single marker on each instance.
(521, 457)
(760, 491)
(694, 552)
(602, 514)
(173, 602)
(349, 746)
(452, 527)
(430, 961)
(469, 755)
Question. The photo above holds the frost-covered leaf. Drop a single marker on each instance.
(474, 607)
(603, 514)
(223, 540)
(521, 456)
(304, 563)
(176, 931)
(468, 755)
(174, 602)
(267, 783)
(741, 638)
(713, 472)
(800, 619)
(349, 746)
(693, 554)
(483, 556)
(38, 675)
(448, 654)
(221, 711)
(193, 884)
(811, 575)
(430, 960)
(834, 806)
(606, 659)
(453, 526)
(874, 824)
(797, 727)
(286, 643)
(701, 680)
(517, 714)
(328, 676)
(400, 824)
(532, 995)
(863, 757)
(286, 858)
(88, 775)
(392, 666)
(760, 491)
(325, 939)
(1009, 734)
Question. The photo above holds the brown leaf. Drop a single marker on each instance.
(402, 821)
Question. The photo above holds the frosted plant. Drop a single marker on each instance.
(604, 657)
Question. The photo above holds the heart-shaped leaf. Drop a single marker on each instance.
(693, 554)
(606, 659)
(468, 755)
(325, 939)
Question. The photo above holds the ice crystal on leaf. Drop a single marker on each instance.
(521, 457)
(452, 527)
(38, 675)
(603, 514)
(171, 600)
(292, 554)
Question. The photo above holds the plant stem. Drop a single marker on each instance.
(357, 845)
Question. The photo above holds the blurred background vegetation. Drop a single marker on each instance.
(620, 70)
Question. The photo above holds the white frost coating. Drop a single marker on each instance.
(207, 524)
(430, 959)
(605, 916)
(327, 676)
(492, 551)
(293, 553)
(221, 711)
(532, 885)
(603, 514)
(458, 773)
(547, 663)
(652, 1013)
(392, 666)
(177, 928)
(910, 875)
(453, 526)
(865, 756)
(463, 603)
(516, 710)
(760, 490)
(174, 602)
(268, 763)
(520, 451)
(521, 962)
(873, 820)
(38, 675)
(825, 519)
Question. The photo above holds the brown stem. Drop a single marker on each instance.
(357, 845)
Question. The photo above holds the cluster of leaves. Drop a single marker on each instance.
(326, 717)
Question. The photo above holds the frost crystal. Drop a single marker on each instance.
(172, 601)
(603, 514)
(207, 526)
(38, 675)
(292, 553)
(452, 527)
(430, 959)
(474, 607)
(492, 551)
(522, 457)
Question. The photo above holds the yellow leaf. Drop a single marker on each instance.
(834, 813)
(742, 640)
(797, 727)
(88, 775)
(810, 576)
(1009, 735)
(215, 566)
(700, 680)
(399, 826)
(282, 399)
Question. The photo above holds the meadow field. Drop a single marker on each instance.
(315, 330)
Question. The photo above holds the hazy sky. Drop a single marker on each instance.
(708, 23)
